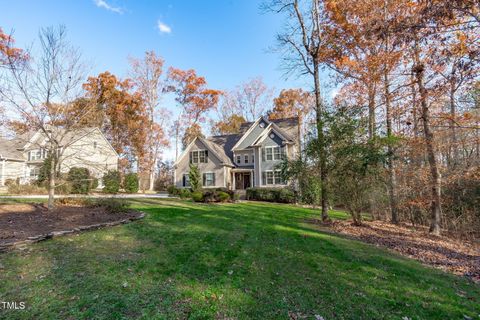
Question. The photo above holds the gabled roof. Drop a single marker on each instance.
(286, 128)
(272, 127)
(9, 150)
(214, 148)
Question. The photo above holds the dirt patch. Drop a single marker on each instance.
(23, 221)
(460, 257)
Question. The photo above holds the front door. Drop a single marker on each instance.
(242, 180)
(246, 180)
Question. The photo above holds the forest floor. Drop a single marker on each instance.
(445, 252)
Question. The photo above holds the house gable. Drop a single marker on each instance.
(252, 134)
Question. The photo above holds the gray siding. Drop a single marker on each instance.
(253, 135)
(213, 165)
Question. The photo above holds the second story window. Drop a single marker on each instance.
(253, 158)
(239, 159)
(95, 144)
(200, 156)
(274, 153)
(246, 158)
(37, 154)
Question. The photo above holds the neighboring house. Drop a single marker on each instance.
(22, 157)
(240, 161)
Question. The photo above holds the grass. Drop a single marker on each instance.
(241, 261)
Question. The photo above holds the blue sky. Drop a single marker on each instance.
(226, 41)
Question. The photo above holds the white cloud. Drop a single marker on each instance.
(103, 4)
(163, 28)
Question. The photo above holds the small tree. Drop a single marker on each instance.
(130, 183)
(111, 181)
(354, 161)
(79, 179)
(195, 179)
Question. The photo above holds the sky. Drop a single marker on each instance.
(227, 42)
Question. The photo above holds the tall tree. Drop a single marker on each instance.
(254, 98)
(194, 98)
(146, 74)
(301, 43)
(121, 114)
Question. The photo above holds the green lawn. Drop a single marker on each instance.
(232, 261)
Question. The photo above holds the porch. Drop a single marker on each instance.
(242, 178)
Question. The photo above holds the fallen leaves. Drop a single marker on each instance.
(449, 254)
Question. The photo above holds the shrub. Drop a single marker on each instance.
(197, 196)
(93, 184)
(26, 189)
(184, 193)
(283, 195)
(173, 191)
(62, 187)
(223, 196)
(79, 179)
(112, 205)
(111, 181)
(194, 178)
(130, 183)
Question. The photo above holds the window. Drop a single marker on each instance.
(200, 156)
(277, 153)
(35, 155)
(95, 144)
(269, 153)
(246, 158)
(186, 180)
(273, 153)
(34, 172)
(278, 179)
(269, 177)
(253, 158)
(208, 179)
(239, 159)
(273, 177)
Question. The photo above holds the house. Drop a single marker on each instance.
(239, 161)
(22, 157)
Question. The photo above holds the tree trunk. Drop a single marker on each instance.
(453, 146)
(321, 142)
(51, 183)
(371, 110)
(152, 175)
(435, 181)
(392, 181)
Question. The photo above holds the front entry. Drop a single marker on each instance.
(242, 180)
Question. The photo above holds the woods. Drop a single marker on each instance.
(406, 73)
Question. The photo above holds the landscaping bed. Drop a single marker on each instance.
(33, 222)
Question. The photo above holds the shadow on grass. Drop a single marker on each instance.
(247, 260)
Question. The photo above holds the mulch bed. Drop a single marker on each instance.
(33, 222)
(457, 256)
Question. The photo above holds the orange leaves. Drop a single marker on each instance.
(192, 94)
(291, 103)
(8, 53)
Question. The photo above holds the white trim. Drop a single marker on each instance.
(265, 134)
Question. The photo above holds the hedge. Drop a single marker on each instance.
(111, 181)
(79, 179)
(282, 195)
(130, 183)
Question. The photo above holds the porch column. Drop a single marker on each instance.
(234, 181)
(2, 182)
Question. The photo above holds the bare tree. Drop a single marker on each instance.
(41, 90)
(301, 46)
